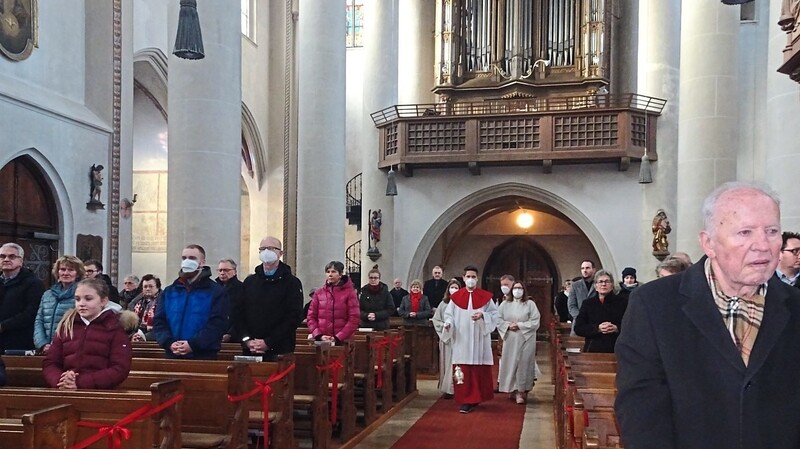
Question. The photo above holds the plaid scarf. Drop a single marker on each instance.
(742, 316)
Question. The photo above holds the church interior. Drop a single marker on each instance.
(519, 136)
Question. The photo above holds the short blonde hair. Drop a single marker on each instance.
(71, 262)
(416, 282)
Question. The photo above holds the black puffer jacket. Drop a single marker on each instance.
(19, 301)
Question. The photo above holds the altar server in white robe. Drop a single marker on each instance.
(519, 321)
(445, 348)
(469, 320)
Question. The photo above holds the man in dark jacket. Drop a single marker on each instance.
(227, 277)
(20, 293)
(707, 359)
(398, 293)
(193, 313)
(434, 288)
(94, 270)
(270, 307)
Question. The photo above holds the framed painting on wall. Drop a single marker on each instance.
(18, 28)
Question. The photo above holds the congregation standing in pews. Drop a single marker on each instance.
(628, 282)
(581, 289)
(334, 312)
(469, 320)
(144, 306)
(416, 307)
(445, 384)
(375, 302)
(227, 278)
(518, 322)
(90, 349)
(270, 307)
(193, 314)
(435, 287)
(398, 293)
(94, 270)
(57, 300)
(560, 303)
(708, 358)
(21, 292)
(600, 318)
(131, 288)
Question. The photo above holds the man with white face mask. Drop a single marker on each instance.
(506, 281)
(193, 313)
(270, 307)
(469, 320)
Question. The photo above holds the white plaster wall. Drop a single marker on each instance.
(150, 30)
(753, 40)
(613, 211)
(353, 126)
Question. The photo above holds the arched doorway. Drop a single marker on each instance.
(529, 263)
(28, 214)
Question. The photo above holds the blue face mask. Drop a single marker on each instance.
(270, 273)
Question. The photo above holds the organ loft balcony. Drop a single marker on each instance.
(523, 131)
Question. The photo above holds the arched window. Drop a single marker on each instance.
(355, 23)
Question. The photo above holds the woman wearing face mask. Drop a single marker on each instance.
(90, 348)
(600, 318)
(55, 302)
(334, 313)
(519, 321)
(415, 308)
(445, 349)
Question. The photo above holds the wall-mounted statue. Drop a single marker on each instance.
(375, 222)
(661, 228)
(95, 188)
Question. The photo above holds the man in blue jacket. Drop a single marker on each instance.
(192, 316)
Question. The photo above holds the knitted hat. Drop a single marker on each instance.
(629, 271)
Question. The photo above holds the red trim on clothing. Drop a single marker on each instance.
(480, 298)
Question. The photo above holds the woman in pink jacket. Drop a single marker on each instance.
(334, 312)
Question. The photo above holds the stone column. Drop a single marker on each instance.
(380, 91)
(659, 56)
(708, 111)
(416, 50)
(205, 135)
(781, 123)
(321, 138)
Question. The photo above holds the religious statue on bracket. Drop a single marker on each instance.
(661, 228)
(95, 188)
(375, 222)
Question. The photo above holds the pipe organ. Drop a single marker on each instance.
(526, 48)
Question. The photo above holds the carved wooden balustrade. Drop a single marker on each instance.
(529, 131)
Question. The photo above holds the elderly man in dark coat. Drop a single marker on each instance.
(20, 293)
(708, 359)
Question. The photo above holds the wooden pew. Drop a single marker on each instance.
(50, 428)
(311, 396)
(106, 407)
(364, 366)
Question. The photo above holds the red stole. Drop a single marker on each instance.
(479, 298)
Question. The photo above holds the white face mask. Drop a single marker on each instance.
(505, 289)
(471, 282)
(517, 293)
(267, 256)
(189, 265)
(453, 289)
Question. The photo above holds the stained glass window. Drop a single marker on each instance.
(355, 23)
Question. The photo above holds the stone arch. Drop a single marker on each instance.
(253, 144)
(150, 76)
(534, 193)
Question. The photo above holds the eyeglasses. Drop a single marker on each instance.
(271, 248)
(91, 271)
(9, 257)
(794, 251)
(602, 281)
(373, 278)
(225, 270)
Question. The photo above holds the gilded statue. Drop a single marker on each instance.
(660, 229)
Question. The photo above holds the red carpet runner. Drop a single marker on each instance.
(496, 424)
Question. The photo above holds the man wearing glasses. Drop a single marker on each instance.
(226, 277)
(20, 292)
(788, 269)
(271, 305)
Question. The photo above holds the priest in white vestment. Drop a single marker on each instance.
(469, 320)
(519, 321)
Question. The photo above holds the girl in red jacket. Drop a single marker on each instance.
(90, 348)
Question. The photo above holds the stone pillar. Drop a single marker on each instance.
(659, 54)
(321, 138)
(781, 124)
(380, 91)
(205, 137)
(416, 50)
(708, 111)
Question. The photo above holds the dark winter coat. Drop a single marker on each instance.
(2, 373)
(19, 301)
(270, 308)
(100, 352)
(380, 303)
(196, 312)
(592, 314)
(113, 294)
(334, 311)
(234, 289)
(434, 289)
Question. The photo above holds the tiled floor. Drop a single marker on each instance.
(538, 430)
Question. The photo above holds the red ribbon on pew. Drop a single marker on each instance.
(264, 388)
(380, 345)
(118, 431)
(334, 368)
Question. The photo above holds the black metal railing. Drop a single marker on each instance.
(352, 257)
(353, 201)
